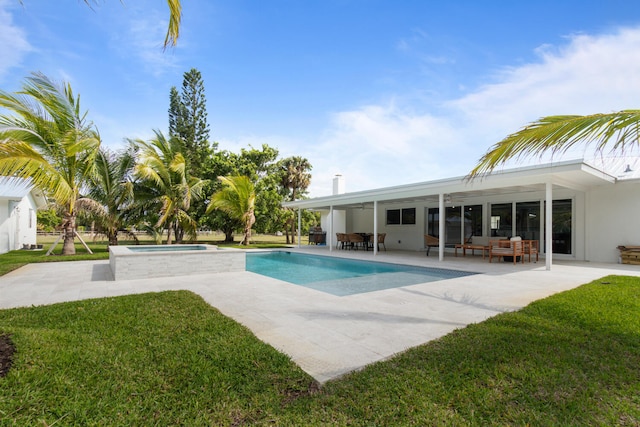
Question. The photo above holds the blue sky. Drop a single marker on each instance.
(383, 92)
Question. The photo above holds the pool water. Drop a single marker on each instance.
(340, 276)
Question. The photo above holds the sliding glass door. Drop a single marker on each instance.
(458, 227)
(562, 226)
(501, 215)
(528, 220)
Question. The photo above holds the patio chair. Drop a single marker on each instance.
(431, 242)
(341, 240)
(507, 248)
(355, 241)
(381, 237)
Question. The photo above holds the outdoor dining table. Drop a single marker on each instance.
(367, 239)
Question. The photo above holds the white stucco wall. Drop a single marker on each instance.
(17, 223)
(604, 217)
(612, 218)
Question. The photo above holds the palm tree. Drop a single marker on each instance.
(296, 178)
(175, 16)
(111, 192)
(237, 197)
(48, 140)
(618, 131)
(167, 185)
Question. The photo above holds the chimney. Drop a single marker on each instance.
(338, 184)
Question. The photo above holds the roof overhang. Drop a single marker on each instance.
(574, 174)
(12, 188)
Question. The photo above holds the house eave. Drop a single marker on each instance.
(574, 174)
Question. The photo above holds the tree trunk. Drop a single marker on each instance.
(179, 234)
(169, 235)
(293, 232)
(69, 226)
(113, 237)
(247, 229)
(228, 236)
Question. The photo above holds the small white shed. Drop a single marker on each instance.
(19, 201)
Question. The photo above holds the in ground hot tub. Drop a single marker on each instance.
(146, 261)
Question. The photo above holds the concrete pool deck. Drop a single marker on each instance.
(326, 335)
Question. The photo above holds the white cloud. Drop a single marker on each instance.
(143, 36)
(13, 40)
(380, 145)
(376, 146)
(591, 74)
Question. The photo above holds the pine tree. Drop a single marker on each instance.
(188, 120)
(176, 114)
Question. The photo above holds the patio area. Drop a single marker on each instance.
(326, 335)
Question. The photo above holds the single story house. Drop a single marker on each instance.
(19, 201)
(577, 210)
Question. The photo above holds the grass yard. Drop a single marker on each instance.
(171, 359)
(16, 259)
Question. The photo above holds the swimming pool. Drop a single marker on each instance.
(340, 276)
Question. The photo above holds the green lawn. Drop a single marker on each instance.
(16, 259)
(170, 359)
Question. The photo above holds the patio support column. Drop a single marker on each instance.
(548, 220)
(441, 221)
(299, 225)
(375, 227)
(330, 232)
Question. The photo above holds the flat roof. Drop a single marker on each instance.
(573, 174)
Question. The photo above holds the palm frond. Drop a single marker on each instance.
(175, 16)
(557, 134)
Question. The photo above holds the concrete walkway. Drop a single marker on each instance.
(326, 335)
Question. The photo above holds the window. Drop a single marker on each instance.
(393, 216)
(401, 216)
(501, 220)
(409, 216)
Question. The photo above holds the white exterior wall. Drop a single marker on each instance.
(411, 237)
(339, 222)
(18, 223)
(612, 219)
(399, 237)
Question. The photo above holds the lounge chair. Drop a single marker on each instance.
(510, 248)
(431, 242)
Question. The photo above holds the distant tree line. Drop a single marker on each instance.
(170, 186)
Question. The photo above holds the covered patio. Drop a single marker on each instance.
(504, 201)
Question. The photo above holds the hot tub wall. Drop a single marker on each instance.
(126, 265)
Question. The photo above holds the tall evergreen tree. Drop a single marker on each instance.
(189, 120)
(176, 114)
